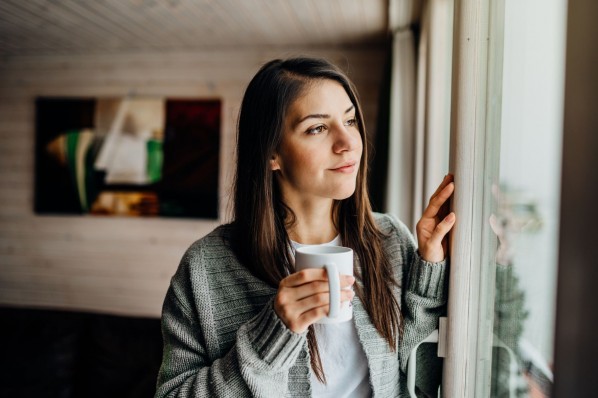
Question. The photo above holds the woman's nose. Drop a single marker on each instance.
(345, 139)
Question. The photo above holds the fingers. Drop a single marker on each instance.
(439, 199)
(441, 230)
(304, 297)
(313, 313)
(299, 285)
(445, 181)
(309, 275)
(298, 315)
(436, 222)
(496, 228)
(310, 289)
(320, 300)
(304, 276)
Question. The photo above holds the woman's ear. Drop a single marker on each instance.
(274, 165)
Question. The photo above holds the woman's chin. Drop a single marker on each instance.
(344, 193)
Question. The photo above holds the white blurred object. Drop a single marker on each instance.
(130, 124)
(106, 153)
(128, 164)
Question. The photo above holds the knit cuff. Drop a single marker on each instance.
(428, 279)
(276, 345)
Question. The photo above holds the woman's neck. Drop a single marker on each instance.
(313, 225)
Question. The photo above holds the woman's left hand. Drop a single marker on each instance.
(435, 223)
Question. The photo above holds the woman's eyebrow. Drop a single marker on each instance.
(320, 115)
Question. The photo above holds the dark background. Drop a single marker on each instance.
(74, 354)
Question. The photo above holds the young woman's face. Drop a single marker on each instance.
(321, 148)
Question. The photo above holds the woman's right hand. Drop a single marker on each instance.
(303, 297)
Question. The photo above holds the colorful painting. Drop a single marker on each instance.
(127, 156)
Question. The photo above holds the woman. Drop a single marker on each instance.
(239, 321)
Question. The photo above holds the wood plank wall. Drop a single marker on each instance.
(120, 265)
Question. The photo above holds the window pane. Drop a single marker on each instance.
(526, 199)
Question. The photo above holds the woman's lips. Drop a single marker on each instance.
(347, 168)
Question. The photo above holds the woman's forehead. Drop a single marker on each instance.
(322, 97)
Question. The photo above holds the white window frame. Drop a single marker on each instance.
(474, 160)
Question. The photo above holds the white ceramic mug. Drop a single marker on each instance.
(337, 260)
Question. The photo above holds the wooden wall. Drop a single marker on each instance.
(120, 265)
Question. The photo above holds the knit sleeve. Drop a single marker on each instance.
(256, 365)
(423, 300)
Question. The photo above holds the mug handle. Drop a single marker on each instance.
(334, 287)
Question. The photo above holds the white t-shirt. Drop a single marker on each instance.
(344, 361)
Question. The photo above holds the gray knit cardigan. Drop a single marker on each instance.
(222, 337)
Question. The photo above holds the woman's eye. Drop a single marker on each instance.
(316, 130)
(351, 122)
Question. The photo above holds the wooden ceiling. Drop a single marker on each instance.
(29, 27)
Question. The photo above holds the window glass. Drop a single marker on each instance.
(525, 119)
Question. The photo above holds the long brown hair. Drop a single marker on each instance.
(261, 218)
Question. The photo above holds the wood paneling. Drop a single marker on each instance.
(84, 27)
(120, 265)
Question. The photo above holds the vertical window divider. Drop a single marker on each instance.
(475, 167)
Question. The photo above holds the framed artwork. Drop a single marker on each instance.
(127, 156)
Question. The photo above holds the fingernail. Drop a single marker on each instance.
(450, 217)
